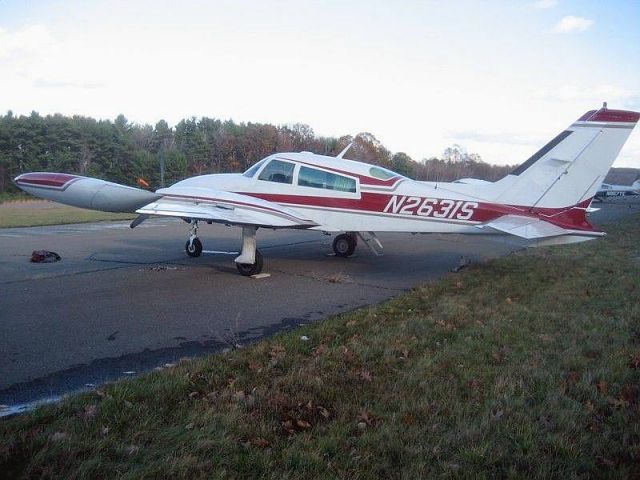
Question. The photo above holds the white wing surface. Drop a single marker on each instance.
(223, 207)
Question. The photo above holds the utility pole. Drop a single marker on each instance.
(162, 168)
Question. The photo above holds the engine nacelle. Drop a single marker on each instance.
(85, 192)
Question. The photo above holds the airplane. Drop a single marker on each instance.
(609, 190)
(544, 201)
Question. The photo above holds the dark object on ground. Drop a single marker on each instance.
(464, 263)
(44, 256)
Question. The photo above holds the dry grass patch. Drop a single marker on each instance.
(33, 213)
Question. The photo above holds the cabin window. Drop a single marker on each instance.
(252, 170)
(382, 173)
(310, 177)
(277, 171)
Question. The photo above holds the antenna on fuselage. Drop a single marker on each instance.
(346, 149)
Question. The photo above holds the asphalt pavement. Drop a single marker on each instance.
(122, 301)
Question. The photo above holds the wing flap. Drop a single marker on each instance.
(223, 207)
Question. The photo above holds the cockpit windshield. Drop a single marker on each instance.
(252, 170)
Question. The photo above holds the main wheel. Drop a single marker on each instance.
(193, 249)
(344, 245)
(248, 269)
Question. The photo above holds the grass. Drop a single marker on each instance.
(14, 196)
(31, 213)
(524, 367)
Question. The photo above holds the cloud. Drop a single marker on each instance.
(622, 97)
(29, 40)
(544, 4)
(499, 137)
(571, 24)
(44, 83)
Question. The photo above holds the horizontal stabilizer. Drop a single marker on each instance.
(524, 227)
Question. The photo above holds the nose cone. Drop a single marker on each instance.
(47, 180)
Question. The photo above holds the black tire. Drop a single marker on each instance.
(344, 245)
(248, 269)
(193, 249)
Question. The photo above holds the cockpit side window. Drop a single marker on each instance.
(277, 171)
(311, 177)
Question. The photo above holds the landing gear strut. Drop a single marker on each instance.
(345, 244)
(249, 262)
(193, 247)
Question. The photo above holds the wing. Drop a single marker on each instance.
(223, 207)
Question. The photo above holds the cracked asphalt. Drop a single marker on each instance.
(124, 301)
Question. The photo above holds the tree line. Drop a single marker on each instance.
(122, 151)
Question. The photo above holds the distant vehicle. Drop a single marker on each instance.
(607, 190)
(543, 201)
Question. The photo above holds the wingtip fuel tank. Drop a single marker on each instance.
(84, 192)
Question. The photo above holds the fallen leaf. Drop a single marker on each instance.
(634, 362)
(303, 424)
(89, 412)
(277, 351)
(189, 426)
(320, 350)
(572, 377)
(602, 387)
(288, 426)
(260, 442)
(255, 366)
(629, 393)
(408, 419)
(605, 462)
(617, 402)
(58, 436)
(324, 412)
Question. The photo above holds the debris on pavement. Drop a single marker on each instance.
(44, 256)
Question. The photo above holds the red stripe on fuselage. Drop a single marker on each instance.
(572, 217)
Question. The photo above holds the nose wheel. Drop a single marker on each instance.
(193, 247)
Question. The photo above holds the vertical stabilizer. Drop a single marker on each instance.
(570, 168)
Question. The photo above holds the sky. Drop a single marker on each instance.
(499, 78)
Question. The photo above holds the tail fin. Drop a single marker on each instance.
(570, 168)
